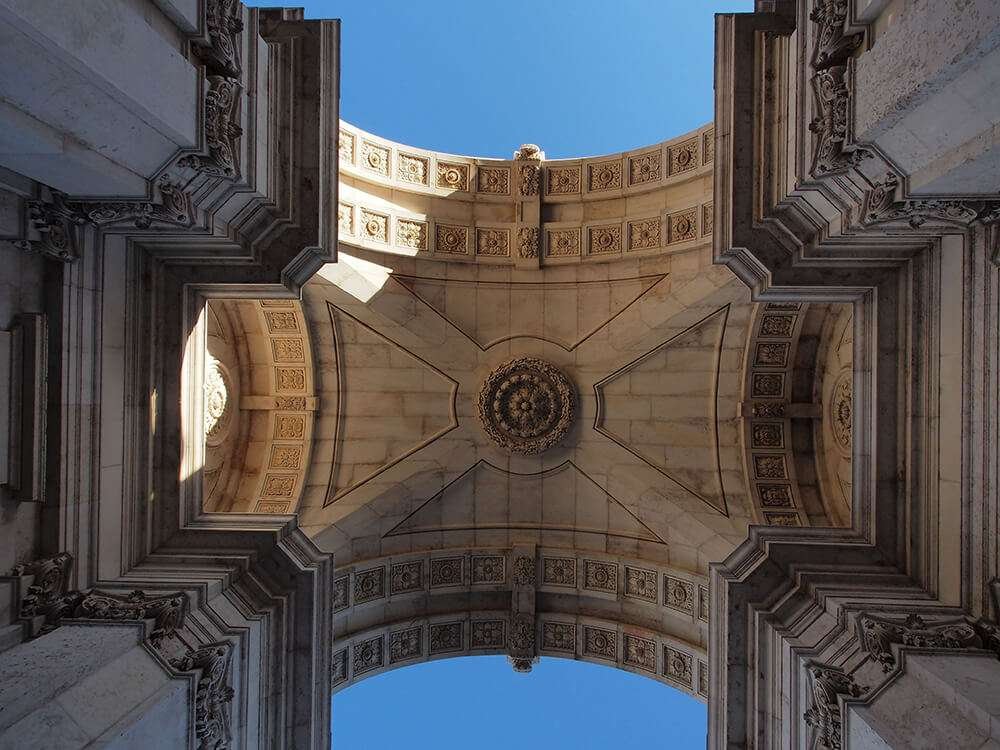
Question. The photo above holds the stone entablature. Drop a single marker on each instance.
(653, 199)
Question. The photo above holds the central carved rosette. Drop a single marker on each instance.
(526, 405)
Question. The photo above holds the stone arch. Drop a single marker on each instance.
(406, 609)
(794, 370)
(258, 404)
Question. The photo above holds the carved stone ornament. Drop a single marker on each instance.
(527, 242)
(223, 25)
(222, 130)
(529, 151)
(841, 410)
(53, 229)
(48, 598)
(529, 178)
(213, 695)
(526, 405)
(51, 576)
(218, 404)
(828, 684)
(879, 634)
(524, 571)
(521, 644)
(174, 208)
(833, 151)
(166, 611)
(881, 207)
(831, 87)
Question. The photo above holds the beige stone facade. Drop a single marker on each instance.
(290, 405)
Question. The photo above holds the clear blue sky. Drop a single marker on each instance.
(480, 703)
(480, 77)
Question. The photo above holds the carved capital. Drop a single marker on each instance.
(828, 685)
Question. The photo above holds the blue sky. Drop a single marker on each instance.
(478, 77)
(480, 703)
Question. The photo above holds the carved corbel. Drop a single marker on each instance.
(222, 130)
(879, 634)
(174, 208)
(833, 150)
(167, 611)
(51, 577)
(53, 228)
(833, 44)
(223, 25)
(831, 86)
(213, 696)
(881, 206)
(829, 684)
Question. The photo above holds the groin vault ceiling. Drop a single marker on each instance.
(447, 385)
(536, 355)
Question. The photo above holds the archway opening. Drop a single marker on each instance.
(479, 701)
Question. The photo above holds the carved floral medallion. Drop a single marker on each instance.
(526, 405)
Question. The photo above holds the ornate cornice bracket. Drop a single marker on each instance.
(213, 696)
(829, 685)
(222, 131)
(878, 635)
(55, 223)
(834, 44)
(47, 602)
(223, 25)
(882, 206)
(833, 152)
(832, 50)
(173, 209)
(53, 228)
(51, 578)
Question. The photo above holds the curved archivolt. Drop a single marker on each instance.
(408, 609)
(526, 210)
(258, 404)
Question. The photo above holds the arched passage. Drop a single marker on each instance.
(407, 609)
